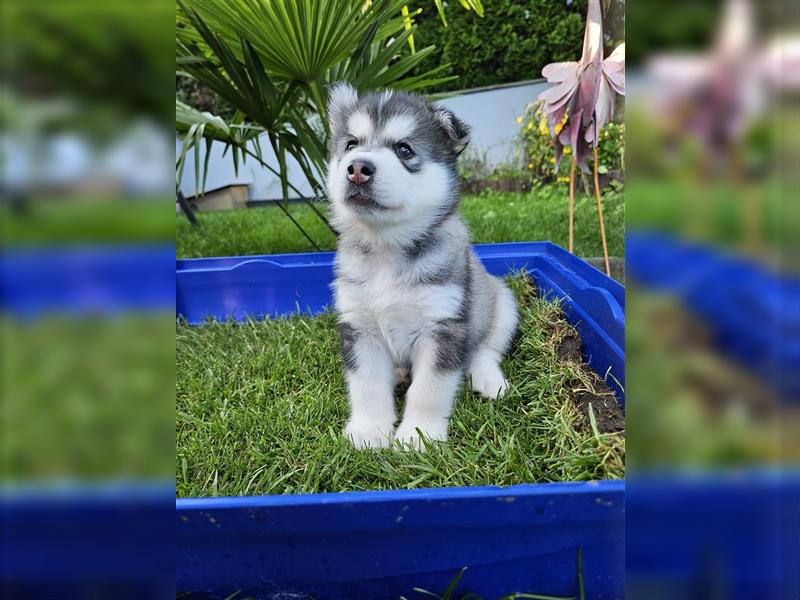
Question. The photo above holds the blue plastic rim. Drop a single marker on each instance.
(382, 544)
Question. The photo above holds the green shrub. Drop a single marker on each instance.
(538, 156)
(512, 42)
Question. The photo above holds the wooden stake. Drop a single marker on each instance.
(600, 214)
(572, 204)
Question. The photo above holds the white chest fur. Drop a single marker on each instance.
(376, 293)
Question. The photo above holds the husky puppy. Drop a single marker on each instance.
(410, 294)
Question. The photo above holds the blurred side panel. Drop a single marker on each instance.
(713, 299)
(87, 213)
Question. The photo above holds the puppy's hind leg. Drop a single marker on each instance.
(487, 377)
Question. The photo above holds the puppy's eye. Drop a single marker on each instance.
(350, 145)
(404, 150)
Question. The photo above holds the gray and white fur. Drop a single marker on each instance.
(411, 296)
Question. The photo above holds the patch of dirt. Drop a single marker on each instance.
(569, 348)
(606, 409)
(615, 263)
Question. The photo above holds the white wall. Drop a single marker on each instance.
(491, 113)
(264, 185)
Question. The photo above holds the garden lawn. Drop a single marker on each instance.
(89, 220)
(87, 398)
(540, 214)
(260, 407)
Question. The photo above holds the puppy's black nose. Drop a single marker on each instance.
(359, 171)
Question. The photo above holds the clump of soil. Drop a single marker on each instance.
(615, 263)
(608, 414)
(569, 348)
(606, 409)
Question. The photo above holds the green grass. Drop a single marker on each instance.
(492, 217)
(111, 220)
(87, 398)
(715, 212)
(260, 407)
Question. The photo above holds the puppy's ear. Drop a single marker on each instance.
(456, 129)
(342, 98)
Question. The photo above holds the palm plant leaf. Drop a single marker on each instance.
(297, 40)
(273, 60)
(440, 9)
(476, 5)
(239, 75)
(406, 14)
(377, 65)
(390, 26)
(195, 127)
(241, 139)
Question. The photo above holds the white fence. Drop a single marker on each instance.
(491, 113)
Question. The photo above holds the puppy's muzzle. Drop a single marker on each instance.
(360, 171)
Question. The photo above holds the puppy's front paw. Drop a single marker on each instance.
(408, 434)
(367, 434)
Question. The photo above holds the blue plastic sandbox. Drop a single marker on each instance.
(382, 544)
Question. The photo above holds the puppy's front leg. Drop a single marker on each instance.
(437, 371)
(369, 371)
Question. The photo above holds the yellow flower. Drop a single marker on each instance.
(543, 127)
(519, 119)
(552, 161)
(530, 125)
(530, 165)
(560, 126)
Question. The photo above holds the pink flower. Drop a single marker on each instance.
(582, 100)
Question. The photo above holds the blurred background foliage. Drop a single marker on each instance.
(102, 411)
(111, 61)
(712, 125)
(661, 25)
